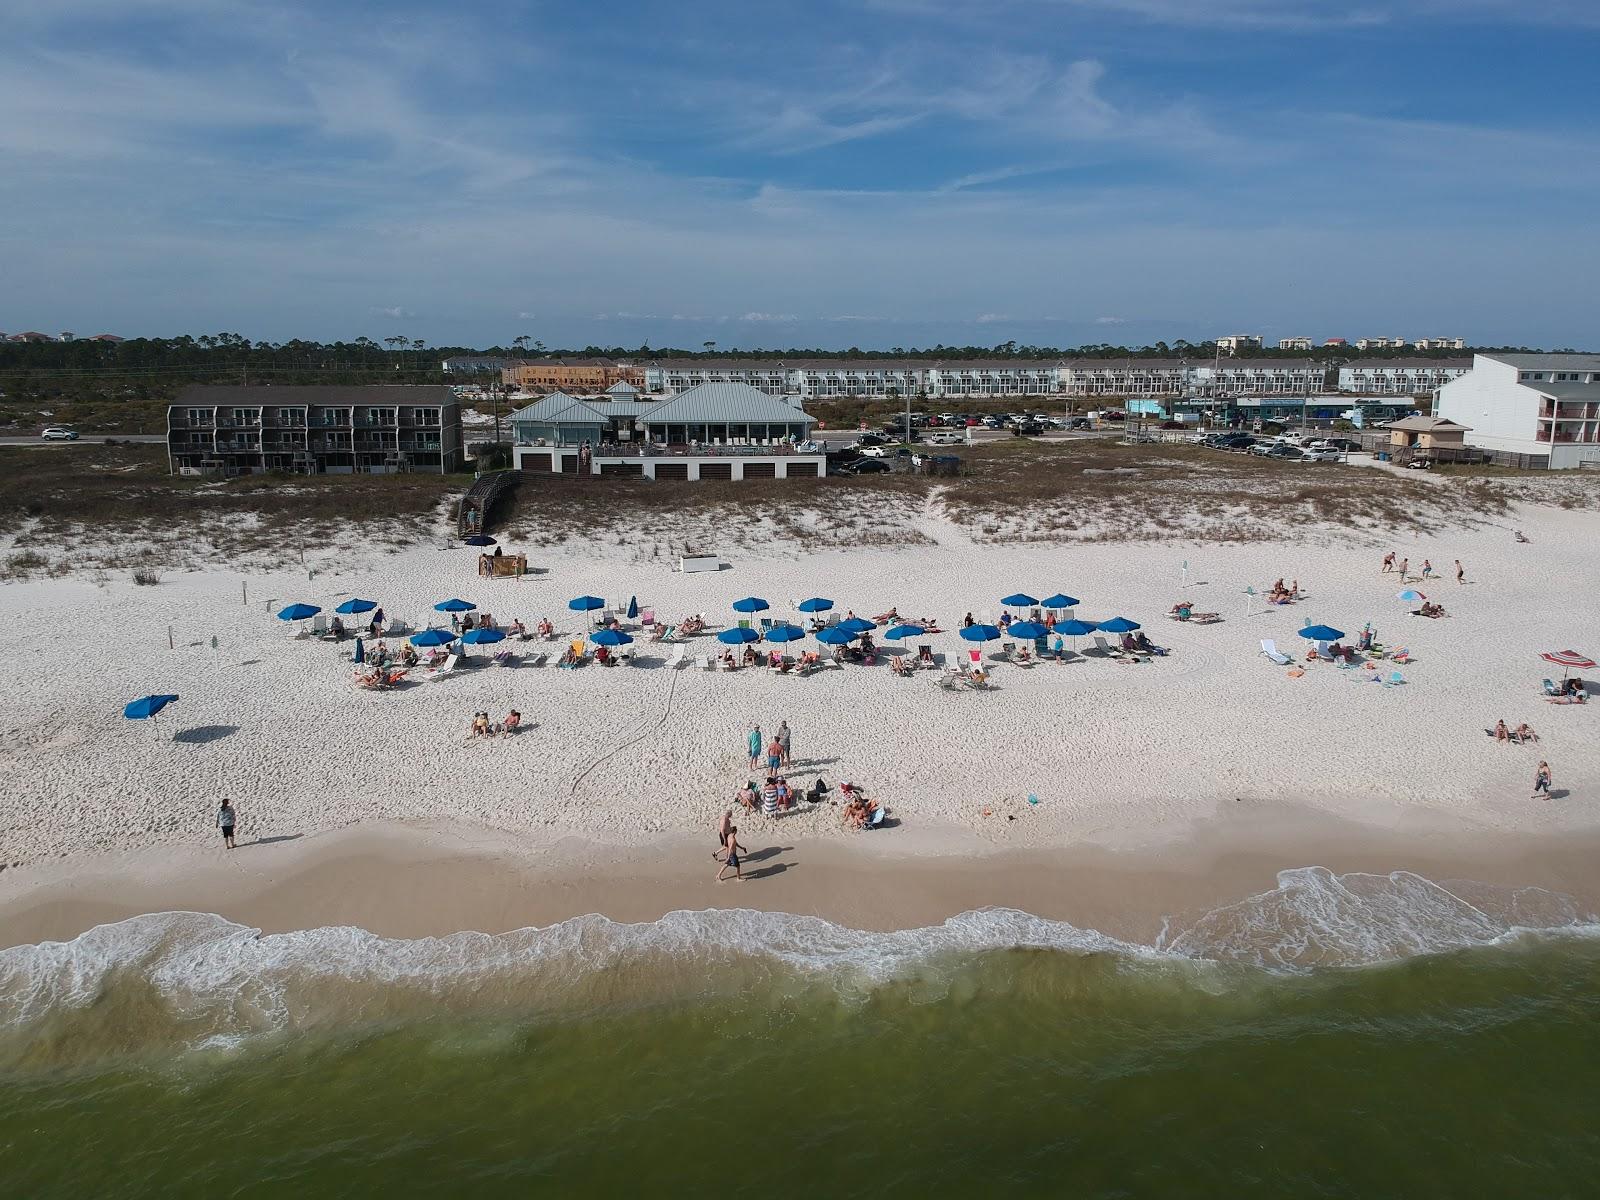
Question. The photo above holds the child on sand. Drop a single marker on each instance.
(226, 817)
(1541, 780)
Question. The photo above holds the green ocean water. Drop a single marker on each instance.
(739, 1057)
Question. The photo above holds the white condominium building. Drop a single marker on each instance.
(1380, 343)
(1235, 342)
(1530, 404)
(1400, 376)
(1141, 378)
(825, 379)
(1440, 344)
(1294, 343)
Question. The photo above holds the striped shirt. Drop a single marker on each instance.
(769, 799)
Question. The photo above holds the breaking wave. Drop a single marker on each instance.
(200, 981)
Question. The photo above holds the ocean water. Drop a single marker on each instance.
(1339, 1036)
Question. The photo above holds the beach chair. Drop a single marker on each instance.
(766, 624)
(1394, 679)
(925, 657)
(539, 659)
(624, 656)
(606, 616)
(319, 625)
(505, 658)
(447, 667)
(647, 617)
(950, 679)
(1269, 647)
(1107, 650)
(1008, 650)
(709, 662)
(676, 659)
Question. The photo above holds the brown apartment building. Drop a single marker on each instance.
(573, 375)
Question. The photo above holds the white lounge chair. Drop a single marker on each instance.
(709, 662)
(677, 658)
(1269, 647)
(319, 624)
(539, 659)
(447, 667)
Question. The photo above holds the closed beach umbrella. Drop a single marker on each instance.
(432, 637)
(1019, 600)
(479, 637)
(454, 605)
(1119, 625)
(815, 604)
(836, 635)
(738, 636)
(980, 633)
(586, 603)
(351, 607)
(479, 539)
(857, 624)
(298, 612)
(1030, 630)
(360, 656)
(1410, 596)
(146, 706)
(1317, 633)
(610, 637)
(785, 633)
(901, 632)
(751, 604)
(1059, 601)
(633, 607)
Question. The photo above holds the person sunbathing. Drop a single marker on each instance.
(408, 655)
(810, 659)
(546, 630)
(892, 615)
(480, 725)
(1183, 609)
(785, 795)
(518, 629)
(750, 659)
(1524, 733)
(1143, 644)
(900, 666)
(728, 662)
(747, 795)
(512, 723)
(1501, 732)
(602, 655)
(569, 657)
(854, 814)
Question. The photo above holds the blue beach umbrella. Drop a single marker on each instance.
(785, 633)
(901, 632)
(350, 607)
(1410, 596)
(738, 636)
(1059, 601)
(146, 706)
(815, 604)
(479, 637)
(586, 604)
(1019, 600)
(1321, 633)
(979, 633)
(751, 604)
(479, 539)
(1028, 630)
(633, 607)
(454, 606)
(432, 637)
(298, 612)
(1117, 625)
(360, 656)
(857, 624)
(611, 637)
(1075, 628)
(836, 635)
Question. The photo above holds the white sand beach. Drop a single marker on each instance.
(1116, 755)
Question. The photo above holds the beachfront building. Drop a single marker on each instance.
(368, 429)
(1153, 378)
(1427, 437)
(1235, 342)
(1400, 376)
(571, 375)
(713, 430)
(1294, 343)
(867, 379)
(1530, 407)
(1380, 343)
(1439, 344)
(475, 364)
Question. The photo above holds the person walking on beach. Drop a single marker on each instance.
(732, 848)
(1405, 564)
(1427, 569)
(1461, 572)
(783, 740)
(1388, 562)
(1541, 780)
(755, 742)
(226, 817)
(723, 826)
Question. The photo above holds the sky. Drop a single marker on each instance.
(831, 173)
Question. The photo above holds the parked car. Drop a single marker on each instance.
(869, 438)
(1286, 453)
(1239, 443)
(946, 439)
(874, 451)
(1316, 455)
(1080, 422)
(1419, 464)
(866, 466)
(1027, 429)
(58, 433)
(1262, 448)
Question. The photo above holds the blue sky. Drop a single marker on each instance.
(832, 173)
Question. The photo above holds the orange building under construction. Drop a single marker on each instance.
(577, 376)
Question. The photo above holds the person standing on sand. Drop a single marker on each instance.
(755, 742)
(1388, 562)
(1461, 572)
(733, 848)
(1405, 564)
(774, 756)
(226, 818)
(1541, 780)
(723, 827)
(783, 740)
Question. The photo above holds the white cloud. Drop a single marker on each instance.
(990, 318)
(394, 312)
(781, 318)
(1110, 321)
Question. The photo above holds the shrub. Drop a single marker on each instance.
(145, 577)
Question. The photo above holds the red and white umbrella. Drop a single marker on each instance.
(1568, 660)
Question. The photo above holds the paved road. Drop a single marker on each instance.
(87, 439)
